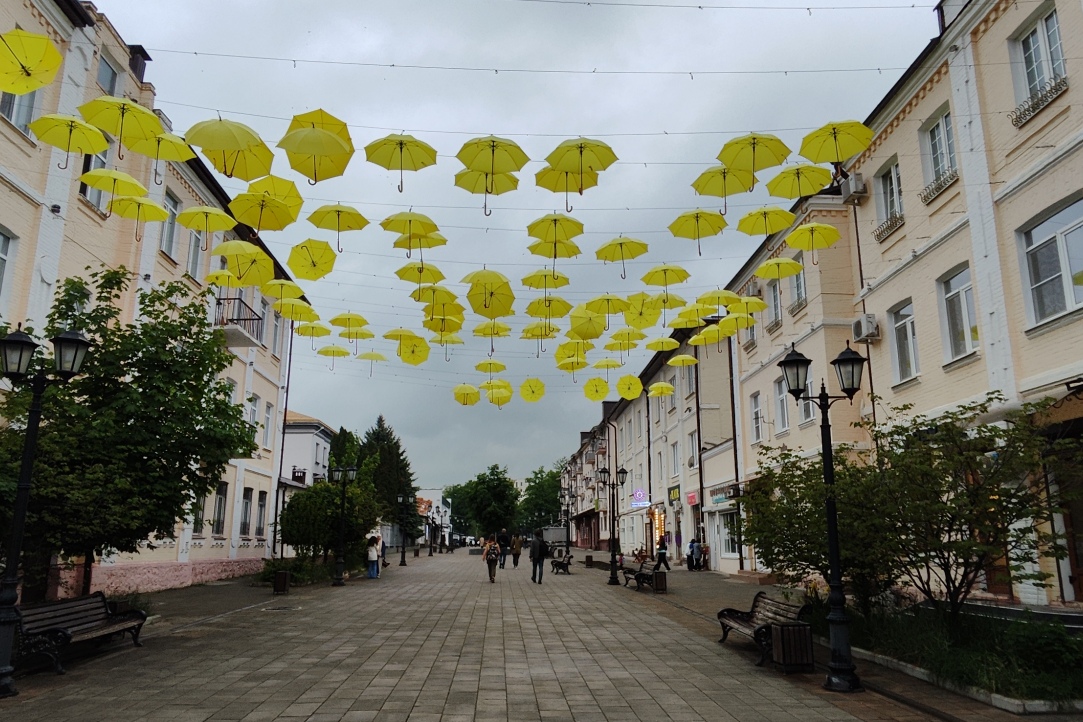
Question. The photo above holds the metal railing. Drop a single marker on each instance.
(1041, 98)
(235, 312)
(888, 227)
(937, 186)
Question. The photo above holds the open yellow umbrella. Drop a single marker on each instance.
(710, 334)
(562, 181)
(545, 279)
(312, 330)
(137, 209)
(697, 224)
(372, 357)
(222, 279)
(663, 343)
(466, 394)
(765, 221)
(722, 182)
(687, 322)
(228, 249)
(356, 334)
(667, 300)
(629, 387)
(697, 310)
(311, 260)
(581, 155)
(222, 135)
(606, 364)
(682, 359)
(419, 273)
(446, 339)
(207, 219)
(333, 352)
(122, 118)
(317, 145)
(629, 333)
(164, 146)
(338, 218)
(485, 276)
(399, 334)
(487, 184)
(294, 309)
(747, 305)
(490, 366)
(554, 250)
(836, 141)
(494, 384)
(410, 224)
(400, 152)
(254, 270)
(660, 388)
(419, 242)
(532, 390)
(664, 276)
(281, 289)
(281, 189)
(443, 324)
(261, 212)
(447, 308)
(115, 182)
(540, 330)
(433, 294)
(778, 268)
(718, 297)
(620, 249)
(571, 365)
(247, 164)
(69, 134)
(753, 152)
(607, 304)
(813, 237)
(596, 389)
(491, 301)
(586, 324)
(799, 181)
(28, 61)
(492, 330)
(729, 325)
(573, 349)
(349, 320)
(499, 396)
(492, 155)
(554, 227)
(548, 307)
(414, 351)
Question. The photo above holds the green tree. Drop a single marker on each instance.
(491, 499)
(461, 519)
(345, 448)
(540, 502)
(127, 447)
(392, 475)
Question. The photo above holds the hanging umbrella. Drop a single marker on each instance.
(349, 320)
(261, 212)
(486, 277)
(581, 155)
(207, 219)
(718, 298)
(294, 309)
(559, 181)
(662, 343)
(554, 227)
(540, 331)
(723, 182)
(338, 218)
(729, 325)
(419, 241)
(441, 324)
(466, 394)
(799, 181)
(281, 289)
(334, 352)
(164, 146)
(222, 135)
(400, 334)
(447, 308)
(573, 349)
(697, 224)
(492, 330)
(312, 330)
(628, 334)
(643, 311)
(765, 221)
(491, 301)
(356, 334)
(483, 183)
(494, 384)
(419, 273)
(778, 268)
(607, 304)
(813, 237)
(554, 250)
(137, 209)
(748, 305)
(222, 279)
(620, 249)
(572, 365)
(281, 189)
(313, 155)
(311, 260)
(682, 359)
(414, 351)
(492, 155)
(548, 307)
(836, 142)
(372, 357)
(115, 182)
(409, 224)
(433, 294)
(607, 363)
(123, 119)
(629, 387)
(696, 310)
(532, 390)
(499, 396)
(667, 300)
(28, 61)
(400, 152)
(660, 388)
(228, 249)
(686, 322)
(596, 389)
(753, 152)
(247, 164)
(490, 366)
(545, 279)
(69, 134)
(446, 339)
(665, 275)
(585, 324)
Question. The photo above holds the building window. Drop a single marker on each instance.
(729, 533)
(782, 408)
(261, 515)
(253, 413)
(195, 253)
(890, 192)
(268, 424)
(246, 511)
(218, 524)
(941, 147)
(264, 314)
(94, 162)
(673, 397)
(807, 408)
(750, 334)
(639, 423)
(107, 76)
(774, 304)
(690, 379)
(19, 109)
(168, 240)
(1054, 250)
(962, 324)
(5, 254)
(197, 516)
(1043, 55)
(693, 448)
(675, 458)
(276, 336)
(232, 388)
(757, 417)
(905, 342)
(798, 281)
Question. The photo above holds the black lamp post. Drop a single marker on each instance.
(604, 480)
(849, 364)
(432, 529)
(405, 501)
(565, 500)
(16, 353)
(341, 477)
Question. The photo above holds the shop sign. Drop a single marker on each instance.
(674, 494)
(718, 494)
(639, 499)
(693, 498)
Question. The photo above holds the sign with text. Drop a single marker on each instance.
(693, 498)
(674, 494)
(639, 499)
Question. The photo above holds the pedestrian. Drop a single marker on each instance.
(663, 550)
(697, 554)
(539, 550)
(505, 545)
(490, 553)
(689, 558)
(373, 558)
(383, 552)
(516, 550)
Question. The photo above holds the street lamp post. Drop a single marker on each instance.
(405, 501)
(849, 364)
(611, 485)
(341, 477)
(566, 511)
(16, 354)
(432, 530)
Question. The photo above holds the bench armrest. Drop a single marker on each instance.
(735, 613)
(133, 614)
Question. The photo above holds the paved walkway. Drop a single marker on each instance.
(436, 641)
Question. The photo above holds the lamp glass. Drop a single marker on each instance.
(69, 352)
(848, 366)
(16, 351)
(603, 475)
(622, 475)
(336, 475)
(400, 498)
(795, 366)
(351, 473)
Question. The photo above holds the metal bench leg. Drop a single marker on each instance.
(725, 633)
(135, 635)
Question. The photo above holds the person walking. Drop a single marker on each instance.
(490, 553)
(505, 545)
(663, 553)
(373, 558)
(516, 550)
(690, 561)
(538, 551)
(697, 554)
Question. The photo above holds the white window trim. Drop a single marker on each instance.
(1070, 305)
(118, 86)
(927, 152)
(755, 407)
(890, 170)
(782, 409)
(1021, 83)
(169, 225)
(895, 356)
(945, 323)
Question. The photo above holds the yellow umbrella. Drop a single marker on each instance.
(164, 146)
(356, 334)
(490, 366)
(835, 142)
(413, 241)
(697, 224)
(445, 340)
(697, 310)
(419, 273)
(281, 289)
(247, 164)
(410, 224)
(545, 279)
(222, 135)
(554, 250)
(492, 155)
(122, 118)
(401, 152)
(499, 396)
(581, 155)
(729, 325)
(813, 237)
(554, 227)
(572, 365)
(137, 209)
(629, 333)
(433, 294)
(334, 352)
(620, 249)
(485, 276)
(718, 297)
(28, 61)
(253, 270)
(686, 322)
(222, 279)
(660, 388)
(261, 212)
(443, 324)
(748, 305)
(664, 275)
(294, 309)
(643, 311)
(372, 357)
(399, 334)
(596, 389)
(607, 304)
(414, 351)
(799, 181)
(667, 300)
(492, 330)
(573, 349)
(494, 384)
(682, 359)
(313, 330)
(69, 134)
(482, 182)
(116, 182)
(532, 390)
(586, 324)
(323, 120)
(540, 330)
(315, 153)
(447, 308)
(559, 181)
(765, 221)
(778, 268)
(607, 363)
(228, 249)
(629, 387)
(207, 219)
(280, 189)
(466, 394)
(662, 343)
(349, 320)
(338, 218)
(753, 152)
(311, 260)
(491, 301)
(722, 181)
(548, 307)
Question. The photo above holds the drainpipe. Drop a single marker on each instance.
(280, 495)
(860, 292)
(614, 515)
(650, 483)
(699, 444)
(736, 451)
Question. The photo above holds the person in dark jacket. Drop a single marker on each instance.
(505, 545)
(537, 556)
(663, 552)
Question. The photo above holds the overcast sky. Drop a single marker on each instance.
(666, 129)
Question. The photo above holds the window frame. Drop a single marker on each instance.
(728, 526)
(195, 253)
(261, 515)
(246, 511)
(774, 302)
(675, 458)
(756, 413)
(20, 110)
(889, 187)
(172, 207)
(693, 444)
(912, 347)
(218, 523)
(806, 408)
(1032, 78)
(268, 424)
(690, 380)
(7, 250)
(276, 334)
(1054, 229)
(797, 285)
(942, 161)
(104, 61)
(96, 161)
(782, 410)
(672, 381)
(964, 296)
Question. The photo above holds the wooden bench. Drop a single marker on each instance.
(562, 565)
(756, 622)
(642, 576)
(48, 628)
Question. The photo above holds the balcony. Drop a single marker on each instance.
(1043, 97)
(242, 326)
(938, 186)
(885, 229)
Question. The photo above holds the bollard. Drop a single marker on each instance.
(281, 583)
(659, 582)
(588, 561)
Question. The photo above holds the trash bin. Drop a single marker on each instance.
(417, 551)
(282, 582)
(588, 561)
(791, 647)
(659, 582)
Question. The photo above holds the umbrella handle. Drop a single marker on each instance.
(567, 206)
(815, 261)
(64, 166)
(400, 171)
(623, 270)
(120, 134)
(332, 363)
(699, 247)
(205, 242)
(485, 204)
(157, 176)
(338, 241)
(371, 364)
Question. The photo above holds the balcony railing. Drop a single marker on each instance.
(243, 326)
(1043, 97)
(888, 227)
(775, 325)
(938, 186)
(796, 306)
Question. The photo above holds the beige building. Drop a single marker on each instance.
(52, 227)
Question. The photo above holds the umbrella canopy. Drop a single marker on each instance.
(662, 343)
(294, 309)
(261, 212)
(491, 301)
(116, 182)
(629, 387)
(317, 145)
(333, 350)
(573, 349)
(799, 181)
(415, 241)
(337, 217)
(813, 237)
(778, 268)
(729, 325)
(532, 390)
(28, 61)
(401, 153)
(485, 183)
(559, 181)
(494, 384)
(485, 277)
(682, 359)
(628, 334)
(748, 305)
(721, 181)
(280, 189)
(554, 227)
(765, 221)
(222, 279)
(492, 155)
(413, 228)
(414, 351)
(371, 356)
(548, 307)
(356, 334)
(499, 396)
(620, 249)
(607, 304)
(621, 346)
(571, 365)
(710, 334)
(554, 250)
(447, 338)
(138, 209)
(596, 389)
(433, 294)
(252, 270)
(490, 366)
(697, 310)
(311, 260)
(281, 289)
(247, 164)
(643, 311)
(400, 334)
(581, 155)
(753, 152)
(492, 329)
(698, 224)
(312, 329)
(667, 300)
(222, 135)
(229, 249)
(164, 146)
(686, 322)
(718, 297)
(122, 118)
(443, 324)
(207, 219)
(665, 275)
(545, 279)
(419, 273)
(540, 330)
(466, 394)
(586, 324)
(607, 363)
(349, 320)
(69, 134)
(660, 388)
(837, 141)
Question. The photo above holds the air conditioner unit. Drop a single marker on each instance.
(865, 328)
(733, 491)
(691, 462)
(853, 188)
(754, 289)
